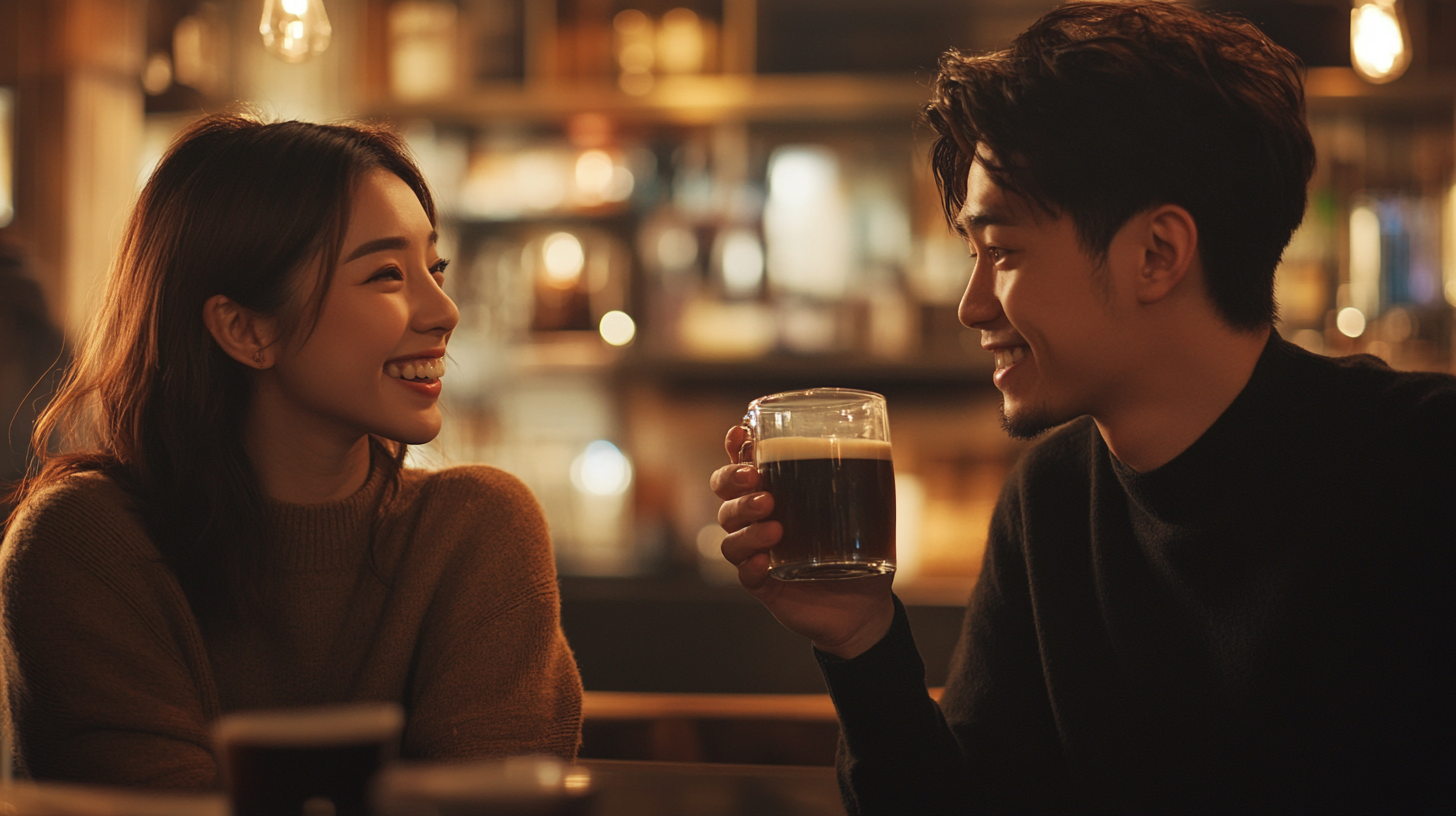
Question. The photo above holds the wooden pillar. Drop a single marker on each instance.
(74, 65)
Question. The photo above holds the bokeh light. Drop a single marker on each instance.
(601, 470)
(617, 328)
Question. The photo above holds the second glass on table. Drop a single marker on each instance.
(824, 455)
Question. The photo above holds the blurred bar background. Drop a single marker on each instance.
(660, 209)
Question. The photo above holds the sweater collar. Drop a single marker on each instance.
(1218, 471)
(331, 535)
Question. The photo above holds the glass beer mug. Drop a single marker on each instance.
(824, 455)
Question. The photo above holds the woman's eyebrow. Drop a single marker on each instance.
(381, 244)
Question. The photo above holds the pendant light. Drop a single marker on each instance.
(1379, 40)
(295, 30)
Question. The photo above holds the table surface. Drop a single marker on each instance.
(623, 788)
(630, 788)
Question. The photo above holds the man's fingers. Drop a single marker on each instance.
(732, 481)
(753, 573)
(742, 545)
(736, 514)
(737, 435)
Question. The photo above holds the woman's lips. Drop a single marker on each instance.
(428, 388)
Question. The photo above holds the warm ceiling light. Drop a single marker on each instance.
(294, 30)
(1379, 42)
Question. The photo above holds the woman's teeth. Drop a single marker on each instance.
(417, 369)
(1005, 357)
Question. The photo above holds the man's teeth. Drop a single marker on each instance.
(1007, 356)
(417, 369)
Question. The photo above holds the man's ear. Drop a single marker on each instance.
(245, 335)
(1170, 250)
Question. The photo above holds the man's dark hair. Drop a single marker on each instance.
(1100, 111)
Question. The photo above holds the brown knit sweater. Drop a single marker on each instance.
(455, 615)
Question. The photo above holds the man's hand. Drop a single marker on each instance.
(843, 618)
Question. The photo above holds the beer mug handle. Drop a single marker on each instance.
(745, 451)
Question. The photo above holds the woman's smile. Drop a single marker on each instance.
(425, 368)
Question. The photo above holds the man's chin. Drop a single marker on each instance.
(1025, 425)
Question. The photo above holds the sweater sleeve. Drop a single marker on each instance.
(106, 679)
(990, 746)
(495, 676)
(896, 753)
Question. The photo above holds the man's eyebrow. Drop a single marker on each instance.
(966, 222)
(381, 244)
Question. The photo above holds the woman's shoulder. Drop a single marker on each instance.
(471, 499)
(87, 519)
(472, 514)
(469, 479)
(468, 489)
(77, 508)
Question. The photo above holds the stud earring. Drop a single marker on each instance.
(258, 357)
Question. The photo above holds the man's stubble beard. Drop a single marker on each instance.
(1026, 426)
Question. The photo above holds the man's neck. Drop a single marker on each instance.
(1181, 391)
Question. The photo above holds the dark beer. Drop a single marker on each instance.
(836, 501)
(306, 761)
(282, 780)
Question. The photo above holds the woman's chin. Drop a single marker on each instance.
(415, 433)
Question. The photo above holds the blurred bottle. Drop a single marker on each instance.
(423, 49)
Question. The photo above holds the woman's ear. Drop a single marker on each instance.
(245, 335)
(1170, 251)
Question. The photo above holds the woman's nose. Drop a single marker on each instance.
(436, 312)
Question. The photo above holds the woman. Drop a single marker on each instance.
(236, 529)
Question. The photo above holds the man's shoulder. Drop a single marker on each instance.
(1360, 397)
(1368, 384)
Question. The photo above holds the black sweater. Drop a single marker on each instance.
(1264, 624)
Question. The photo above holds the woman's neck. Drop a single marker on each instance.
(297, 462)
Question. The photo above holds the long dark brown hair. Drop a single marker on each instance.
(241, 208)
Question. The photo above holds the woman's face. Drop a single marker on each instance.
(373, 362)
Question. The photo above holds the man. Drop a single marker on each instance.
(1223, 580)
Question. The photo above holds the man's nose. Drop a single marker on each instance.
(979, 305)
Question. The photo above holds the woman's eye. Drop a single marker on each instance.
(388, 273)
(439, 267)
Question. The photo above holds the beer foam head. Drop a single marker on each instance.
(314, 726)
(786, 448)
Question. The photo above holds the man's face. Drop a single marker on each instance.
(1045, 309)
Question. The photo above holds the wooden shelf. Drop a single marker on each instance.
(686, 100)
(1330, 89)
(968, 371)
(701, 100)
